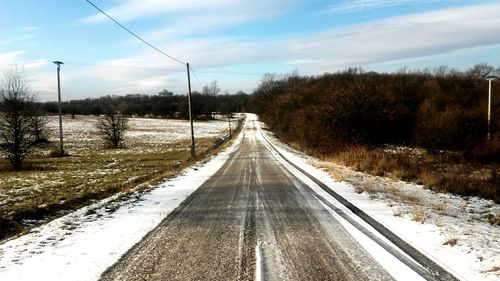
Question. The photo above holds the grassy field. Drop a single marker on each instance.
(48, 186)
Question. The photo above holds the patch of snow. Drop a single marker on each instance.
(258, 262)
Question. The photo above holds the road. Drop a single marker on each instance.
(252, 220)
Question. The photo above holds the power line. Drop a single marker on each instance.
(135, 35)
(232, 73)
(119, 66)
(196, 76)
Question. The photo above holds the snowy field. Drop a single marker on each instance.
(144, 134)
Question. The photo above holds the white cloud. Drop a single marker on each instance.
(31, 28)
(403, 37)
(198, 23)
(12, 60)
(35, 64)
(10, 57)
(391, 39)
(188, 17)
(16, 39)
(349, 6)
(132, 9)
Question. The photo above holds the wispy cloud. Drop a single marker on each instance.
(180, 18)
(31, 28)
(403, 37)
(16, 39)
(132, 9)
(36, 64)
(10, 57)
(350, 6)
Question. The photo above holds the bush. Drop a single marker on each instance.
(112, 127)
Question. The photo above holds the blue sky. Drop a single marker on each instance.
(236, 41)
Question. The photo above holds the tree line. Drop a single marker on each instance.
(436, 109)
(165, 104)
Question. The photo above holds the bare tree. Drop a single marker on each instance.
(212, 91)
(112, 126)
(19, 118)
(481, 70)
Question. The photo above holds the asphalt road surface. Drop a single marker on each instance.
(252, 220)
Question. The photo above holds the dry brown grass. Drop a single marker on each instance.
(451, 237)
(493, 219)
(419, 213)
(451, 242)
(441, 172)
(495, 269)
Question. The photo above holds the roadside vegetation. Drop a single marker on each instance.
(428, 127)
(112, 126)
(21, 122)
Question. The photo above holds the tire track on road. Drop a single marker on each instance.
(421, 264)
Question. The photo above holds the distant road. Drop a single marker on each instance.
(252, 220)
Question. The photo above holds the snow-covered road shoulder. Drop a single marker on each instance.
(474, 257)
(83, 244)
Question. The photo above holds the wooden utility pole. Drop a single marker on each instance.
(193, 150)
(490, 79)
(229, 120)
(61, 149)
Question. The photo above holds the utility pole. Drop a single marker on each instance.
(193, 150)
(61, 149)
(489, 78)
(229, 120)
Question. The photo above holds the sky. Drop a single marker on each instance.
(235, 42)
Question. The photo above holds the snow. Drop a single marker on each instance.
(258, 262)
(478, 248)
(393, 266)
(82, 244)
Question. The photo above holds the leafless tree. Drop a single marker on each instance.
(19, 118)
(112, 126)
(481, 70)
(212, 91)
